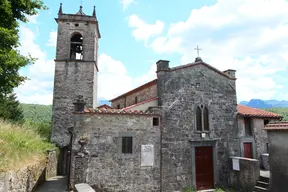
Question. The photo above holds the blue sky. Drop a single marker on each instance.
(249, 36)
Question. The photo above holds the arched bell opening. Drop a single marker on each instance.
(76, 47)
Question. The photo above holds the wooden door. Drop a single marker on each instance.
(204, 168)
(248, 153)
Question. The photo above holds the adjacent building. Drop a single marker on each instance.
(278, 155)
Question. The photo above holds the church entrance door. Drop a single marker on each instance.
(204, 168)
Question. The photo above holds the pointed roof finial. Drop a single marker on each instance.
(60, 9)
(94, 12)
(80, 12)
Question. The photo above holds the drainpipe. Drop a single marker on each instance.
(70, 130)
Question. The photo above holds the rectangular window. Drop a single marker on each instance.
(155, 121)
(118, 106)
(136, 99)
(127, 144)
(248, 126)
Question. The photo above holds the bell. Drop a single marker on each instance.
(79, 49)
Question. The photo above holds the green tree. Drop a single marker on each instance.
(11, 13)
(10, 109)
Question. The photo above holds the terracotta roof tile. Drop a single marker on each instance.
(253, 112)
(281, 125)
(115, 111)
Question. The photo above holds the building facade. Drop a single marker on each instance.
(173, 132)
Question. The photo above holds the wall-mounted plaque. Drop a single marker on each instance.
(147, 155)
(236, 165)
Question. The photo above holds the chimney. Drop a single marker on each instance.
(231, 73)
(162, 65)
(79, 104)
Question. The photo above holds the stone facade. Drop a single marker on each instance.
(102, 164)
(73, 76)
(180, 91)
(278, 158)
(143, 93)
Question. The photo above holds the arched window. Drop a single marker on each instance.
(206, 119)
(76, 47)
(198, 119)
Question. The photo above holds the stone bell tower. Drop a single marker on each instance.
(76, 69)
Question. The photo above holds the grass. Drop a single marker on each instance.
(20, 146)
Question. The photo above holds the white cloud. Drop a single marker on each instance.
(38, 89)
(126, 3)
(52, 39)
(32, 18)
(114, 79)
(244, 35)
(142, 30)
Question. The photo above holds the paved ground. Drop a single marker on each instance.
(54, 184)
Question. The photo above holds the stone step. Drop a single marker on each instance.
(260, 189)
(262, 184)
(264, 179)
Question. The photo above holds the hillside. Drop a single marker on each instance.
(37, 113)
(281, 111)
(20, 146)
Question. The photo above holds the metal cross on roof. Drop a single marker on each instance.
(198, 49)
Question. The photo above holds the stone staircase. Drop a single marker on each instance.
(262, 184)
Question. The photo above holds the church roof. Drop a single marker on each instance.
(200, 62)
(253, 112)
(278, 126)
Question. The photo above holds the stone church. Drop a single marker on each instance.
(176, 131)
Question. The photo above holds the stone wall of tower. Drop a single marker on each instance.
(72, 78)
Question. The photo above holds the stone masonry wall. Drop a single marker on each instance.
(28, 178)
(180, 92)
(278, 159)
(261, 138)
(71, 79)
(142, 95)
(106, 167)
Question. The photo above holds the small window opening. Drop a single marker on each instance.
(248, 127)
(206, 119)
(155, 121)
(136, 99)
(76, 48)
(118, 106)
(127, 144)
(266, 121)
(76, 25)
(198, 119)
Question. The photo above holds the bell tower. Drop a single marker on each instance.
(76, 69)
